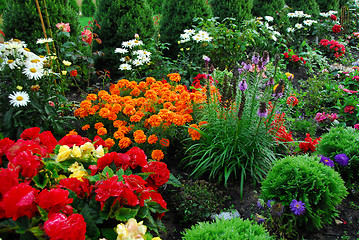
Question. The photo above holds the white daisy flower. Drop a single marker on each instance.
(35, 72)
(332, 12)
(121, 50)
(291, 15)
(123, 59)
(136, 42)
(197, 38)
(298, 25)
(184, 40)
(145, 59)
(290, 29)
(276, 33)
(307, 16)
(137, 62)
(299, 14)
(44, 40)
(18, 99)
(274, 38)
(125, 66)
(185, 36)
(11, 63)
(190, 31)
(127, 44)
(269, 18)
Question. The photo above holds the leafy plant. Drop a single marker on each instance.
(235, 228)
(73, 4)
(239, 10)
(302, 178)
(88, 8)
(198, 200)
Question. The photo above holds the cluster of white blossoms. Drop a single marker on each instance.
(327, 14)
(133, 58)
(266, 25)
(309, 22)
(190, 34)
(298, 14)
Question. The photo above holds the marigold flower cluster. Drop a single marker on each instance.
(333, 47)
(140, 113)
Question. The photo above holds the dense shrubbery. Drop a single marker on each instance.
(88, 8)
(73, 4)
(238, 9)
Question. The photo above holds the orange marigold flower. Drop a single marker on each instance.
(152, 139)
(135, 92)
(180, 88)
(86, 104)
(80, 112)
(151, 94)
(122, 83)
(104, 112)
(150, 80)
(185, 96)
(135, 118)
(118, 123)
(124, 143)
(132, 85)
(187, 117)
(165, 142)
(139, 136)
(178, 120)
(157, 155)
(155, 120)
(112, 116)
(85, 127)
(101, 131)
(114, 89)
(116, 108)
(91, 97)
(167, 105)
(141, 85)
(194, 134)
(72, 132)
(109, 142)
(98, 125)
(174, 77)
(129, 110)
(102, 93)
(93, 110)
(118, 135)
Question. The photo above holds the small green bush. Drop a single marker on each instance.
(2, 6)
(263, 8)
(73, 4)
(198, 200)
(88, 8)
(326, 5)
(236, 228)
(307, 6)
(342, 140)
(304, 179)
(238, 9)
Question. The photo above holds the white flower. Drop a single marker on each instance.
(125, 66)
(274, 38)
(189, 31)
(276, 33)
(291, 15)
(298, 25)
(123, 59)
(137, 62)
(11, 63)
(307, 15)
(121, 50)
(44, 40)
(142, 53)
(136, 42)
(290, 29)
(33, 72)
(332, 12)
(127, 44)
(269, 18)
(19, 99)
(309, 22)
(66, 63)
(299, 14)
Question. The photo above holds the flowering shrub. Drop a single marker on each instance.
(295, 204)
(142, 114)
(325, 117)
(73, 184)
(332, 48)
(293, 58)
(336, 28)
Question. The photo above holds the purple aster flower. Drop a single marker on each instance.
(259, 205)
(260, 219)
(342, 159)
(297, 207)
(247, 65)
(270, 203)
(240, 70)
(326, 161)
(262, 111)
(255, 58)
(243, 85)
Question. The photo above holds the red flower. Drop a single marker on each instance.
(23, 145)
(28, 163)
(336, 28)
(8, 179)
(81, 188)
(128, 197)
(135, 182)
(108, 188)
(292, 101)
(123, 161)
(286, 55)
(283, 136)
(60, 227)
(160, 173)
(137, 157)
(309, 145)
(73, 73)
(106, 160)
(349, 109)
(5, 144)
(30, 133)
(48, 141)
(156, 197)
(333, 17)
(53, 201)
(71, 140)
(99, 141)
(19, 201)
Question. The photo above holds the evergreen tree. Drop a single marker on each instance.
(2, 6)
(263, 8)
(307, 6)
(73, 4)
(238, 9)
(22, 21)
(120, 21)
(177, 15)
(327, 5)
(88, 8)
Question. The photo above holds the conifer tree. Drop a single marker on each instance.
(263, 8)
(120, 21)
(327, 5)
(177, 15)
(88, 8)
(73, 4)
(238, 9)
(307, 6)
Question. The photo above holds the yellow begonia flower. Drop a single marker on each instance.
(99, 152)
(76, 151)
(79, 174)
(64, 153)
(87, 147)
(66, 63)
(132, 230)
(75, 167)
(64, 73)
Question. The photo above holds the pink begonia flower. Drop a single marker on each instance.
(86, 36)
(320, 117)
(356, 126)
(65, 27)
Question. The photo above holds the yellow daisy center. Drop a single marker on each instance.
(33, 70)
(10, 61)
(26, 49)
(35, 60)
(41, 56)
(19, 98)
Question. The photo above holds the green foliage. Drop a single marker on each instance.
(156, 5)
(73, 4)
(307, 6)
(307, 180)
(198, 200)
(301, 125)
(88, 8)
(120, 21)
(238, 9)
(21, 19)
(178, 15)
(326, 5)
(236, 228)
(263, 8)
(2, 6)
(342, 140)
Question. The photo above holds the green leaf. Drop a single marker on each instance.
(90, 215)
(8, 117)
(143, 212)
(41, 179)
(38, 233)
(107, 172)
(124, 214)
(174, 181)
(109, 233)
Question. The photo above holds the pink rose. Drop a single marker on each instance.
(65, 27)
(86, 36)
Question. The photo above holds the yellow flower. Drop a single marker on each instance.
(87, 147)
(75, 167)
(99, 152)
(289, 75)
(132, 230)
(64, 153)
(156, 238)
(79, 174)
(76, 151)
(64, 73)
(19, 88)
(66, 63)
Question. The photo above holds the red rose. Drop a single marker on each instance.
(59, 227)
(73, 73)
(53, 201)
(333, 17)
(8, 179)
(160, 173)
(336, 28)
(137, 157)
(81, 188)
(28, 163)
(19, 201)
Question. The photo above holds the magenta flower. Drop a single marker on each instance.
(356, 126)
(297, 207)
(243, 85)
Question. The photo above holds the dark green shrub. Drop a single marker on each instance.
(263, 8)
(88, 8)
(325, 5)
(198, 200)
(236, 228)
(156, 5)
(238, 9)
(120, 21)
(304, 179)
(342, 140)
(2, 6)
(307, 6)
(21, 19)
(177, 15)
(73, 4)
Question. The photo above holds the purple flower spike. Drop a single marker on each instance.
(342, 159)
(327, 161)
(243, 85)
(247, 65)
(255, 58)
(297, 207)
(270, 203)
